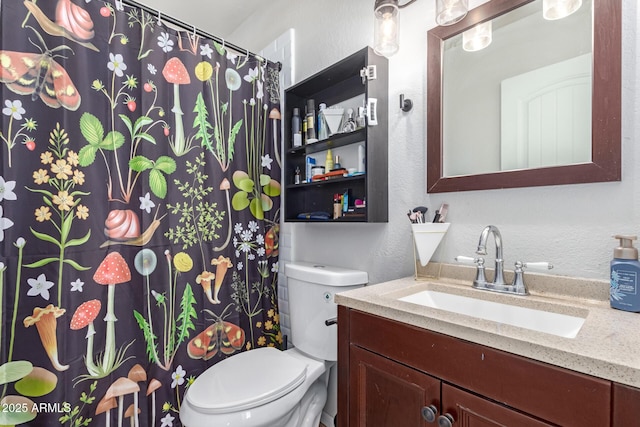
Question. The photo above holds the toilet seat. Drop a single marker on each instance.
(246, 380)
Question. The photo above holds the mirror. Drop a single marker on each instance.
(483, 134)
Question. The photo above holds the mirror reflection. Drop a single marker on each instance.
(524, 100)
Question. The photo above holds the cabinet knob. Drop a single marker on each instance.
(445, 420)
(429, 413)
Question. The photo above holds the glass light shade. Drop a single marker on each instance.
(448, 12)
(478, 37)
(386, 32)
(558, 9)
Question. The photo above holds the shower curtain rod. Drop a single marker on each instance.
(188, 27)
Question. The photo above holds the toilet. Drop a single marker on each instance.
(272, 388)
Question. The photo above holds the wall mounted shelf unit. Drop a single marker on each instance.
(348, 84)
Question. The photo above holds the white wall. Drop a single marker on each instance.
(570, 226)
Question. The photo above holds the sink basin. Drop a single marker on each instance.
(561, 325)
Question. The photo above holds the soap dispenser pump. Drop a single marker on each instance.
(624, 293)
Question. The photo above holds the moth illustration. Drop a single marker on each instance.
(222, 336)
(39, 75)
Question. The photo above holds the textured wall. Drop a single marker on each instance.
(571, 226)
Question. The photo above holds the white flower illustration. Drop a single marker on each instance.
(266, 161)
(116, 64)
(4, 224)
(39, 286)
(178, 377)
(13, 109)
(77, 285)
(6, 190)
(205, 50)
(146, 204)
(167, 421)
(165, 42)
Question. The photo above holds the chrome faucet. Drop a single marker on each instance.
(518, 286)
(498, 279)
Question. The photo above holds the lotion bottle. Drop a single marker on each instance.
(624, 292)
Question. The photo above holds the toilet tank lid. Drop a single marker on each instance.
(325, 274)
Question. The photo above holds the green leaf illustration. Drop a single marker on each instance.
(188, 313)
(240, 201)
(46, 238)
(149, 337)
(75, 265)
(166, 164)
(12, 418)
(13, 371)
(272, 188)
(232, 137)
(91, 129)
(112, 141)
(256, 209)
(158, 183)
(81, 241)
(38, 383)
(140, 164)
(42, 262)
(87, 155)
(201, 123)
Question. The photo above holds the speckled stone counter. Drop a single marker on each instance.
(607, 345)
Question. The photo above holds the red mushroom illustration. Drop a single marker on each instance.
(112, 271)
(84, 316)
(176, 73)
(45, 321)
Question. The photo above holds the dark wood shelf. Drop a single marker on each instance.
(341, 84)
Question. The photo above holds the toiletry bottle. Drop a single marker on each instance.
(311, 121)
(296, 177)
(336, 163)
(328, 164)
(296, 128)
(624, 293)
(323, 129)
(337, 206)
(361, 158)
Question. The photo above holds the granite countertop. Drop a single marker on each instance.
(607, 345)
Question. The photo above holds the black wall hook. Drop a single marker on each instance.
(405, 104)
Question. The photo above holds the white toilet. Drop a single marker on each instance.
(272, 388)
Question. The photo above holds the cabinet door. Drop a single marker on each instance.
(387, 394)
(467, 410)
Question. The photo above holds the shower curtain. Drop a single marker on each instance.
(139, 212)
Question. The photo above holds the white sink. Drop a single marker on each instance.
(561, 325)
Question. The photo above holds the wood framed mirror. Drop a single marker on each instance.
(603, 163)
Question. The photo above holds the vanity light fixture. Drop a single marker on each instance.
(386, 31)
(448, 12)
(478, 37)
(558, 9)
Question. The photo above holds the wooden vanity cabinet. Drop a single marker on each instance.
(397, 375)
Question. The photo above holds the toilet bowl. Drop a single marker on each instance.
(266, 387)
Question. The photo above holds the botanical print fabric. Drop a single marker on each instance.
(139, 210)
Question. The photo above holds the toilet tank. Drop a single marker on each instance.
(311, 288)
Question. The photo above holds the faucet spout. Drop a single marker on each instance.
(482, 250)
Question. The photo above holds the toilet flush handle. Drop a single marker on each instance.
(331, 321)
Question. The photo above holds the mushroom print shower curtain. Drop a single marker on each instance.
(139, 209)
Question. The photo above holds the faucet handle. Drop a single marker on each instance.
(481, 279)
(518, 278)
(538, 265)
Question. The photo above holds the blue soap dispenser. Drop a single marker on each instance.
(624, 293)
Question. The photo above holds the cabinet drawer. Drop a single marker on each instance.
(554, 394)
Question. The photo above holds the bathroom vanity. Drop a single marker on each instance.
(405, 364)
